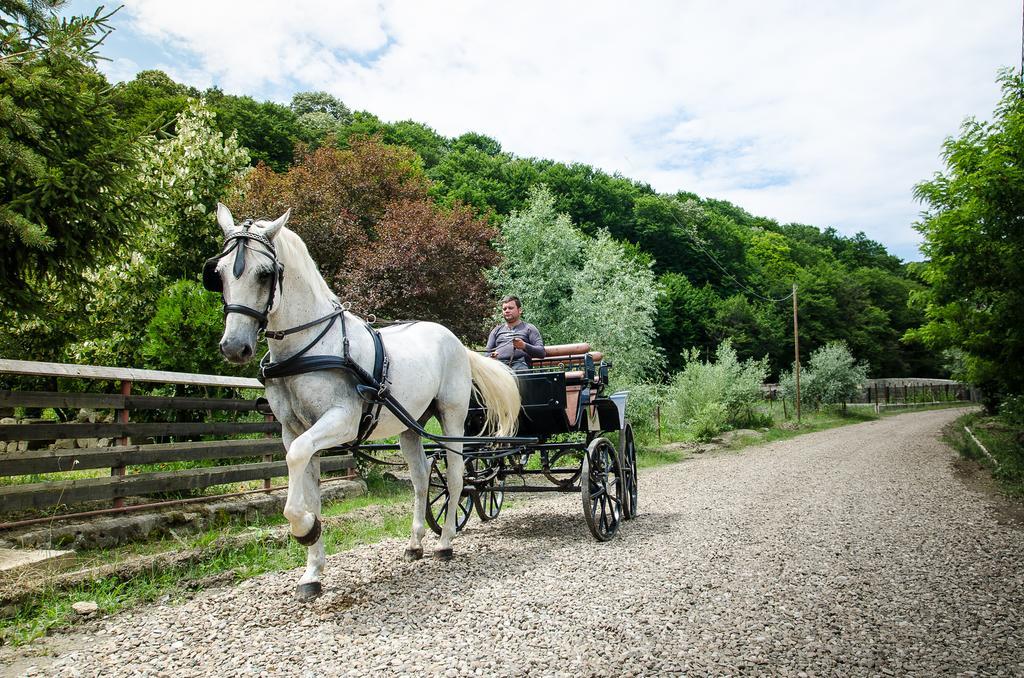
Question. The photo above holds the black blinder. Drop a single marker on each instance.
(211, 279)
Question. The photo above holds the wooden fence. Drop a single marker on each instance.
(45, 446)
(903, 392)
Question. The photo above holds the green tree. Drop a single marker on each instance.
(319, 115)
(68, 192)
(614, 304)
(267, 130)
(320, 102)
(543, 254)
(151, 101)
(183, 333)
(685, 319)
(974, 244)
(102, 319)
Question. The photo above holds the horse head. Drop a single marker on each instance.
(249, 275)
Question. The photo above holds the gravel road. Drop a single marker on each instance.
(854, 551)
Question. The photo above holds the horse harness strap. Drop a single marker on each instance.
(376, 384)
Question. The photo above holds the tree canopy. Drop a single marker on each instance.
(67, 199)
(697, 270)
(380, 241)
(974, 241)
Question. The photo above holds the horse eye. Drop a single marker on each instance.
(263, 275)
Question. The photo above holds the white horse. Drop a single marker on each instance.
(270, 282)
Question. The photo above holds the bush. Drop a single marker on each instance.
(706, 398)
(642, 404)
(831, 377)
(1011, 411)
(185, 333)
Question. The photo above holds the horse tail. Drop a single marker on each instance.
(497, 389)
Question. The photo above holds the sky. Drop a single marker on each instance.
(825, 113)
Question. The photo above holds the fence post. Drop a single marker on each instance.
(122, 441)
(267, 457)
(657, 414)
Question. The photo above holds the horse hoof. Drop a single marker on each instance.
(309, 590)
(443, 555)
(313, 536)
(413, 554)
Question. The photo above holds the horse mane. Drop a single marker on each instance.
(293, 252)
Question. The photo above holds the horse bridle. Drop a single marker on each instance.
(237, 242)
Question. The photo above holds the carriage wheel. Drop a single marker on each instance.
(437, 499)
(490, 495)
(630, 494)
(601, 489)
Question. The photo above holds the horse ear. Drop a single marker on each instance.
(274, 227)
(225, 220)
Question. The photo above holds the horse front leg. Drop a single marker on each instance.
(419, 471)
(302, 508)
(309, 584)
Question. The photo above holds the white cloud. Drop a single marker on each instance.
(823, 113)
(119, 70)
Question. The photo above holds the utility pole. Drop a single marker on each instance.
(796, 351)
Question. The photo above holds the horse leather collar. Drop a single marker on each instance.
(300, 363)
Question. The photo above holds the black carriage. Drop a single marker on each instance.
(564, 424)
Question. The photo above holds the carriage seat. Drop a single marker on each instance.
(567, 356)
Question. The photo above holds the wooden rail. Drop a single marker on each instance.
(40, 451)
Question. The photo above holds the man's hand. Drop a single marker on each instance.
(518, 343)
(494, 354)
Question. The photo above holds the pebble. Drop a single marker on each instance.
(853, 551)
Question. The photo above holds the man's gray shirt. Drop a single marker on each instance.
(500, 342)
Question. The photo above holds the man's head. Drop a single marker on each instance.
(511, 309)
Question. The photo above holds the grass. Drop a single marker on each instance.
(1002, 440)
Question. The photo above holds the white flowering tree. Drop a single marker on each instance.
(185, 174)
(188, 173)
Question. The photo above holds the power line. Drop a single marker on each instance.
(692, 233)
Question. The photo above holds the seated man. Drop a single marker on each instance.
(515, 342)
